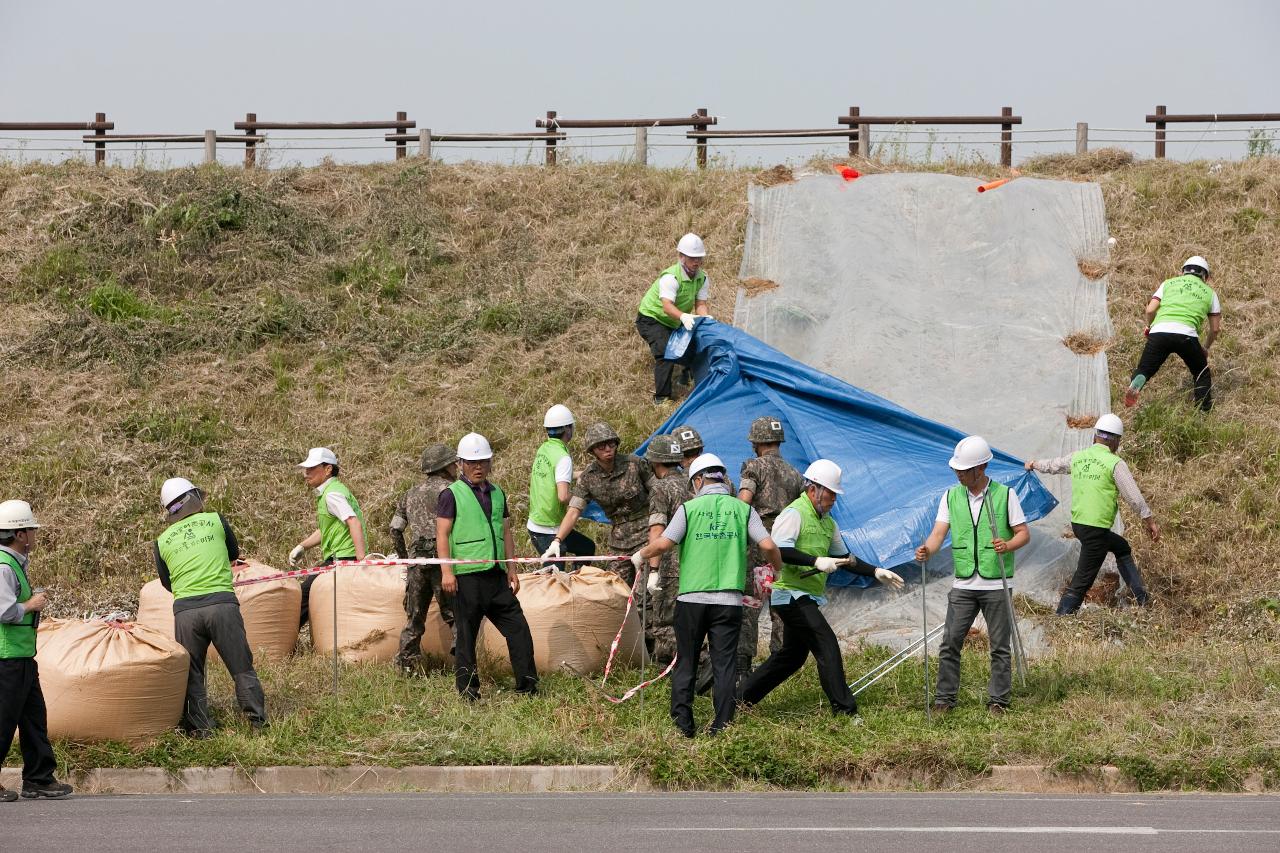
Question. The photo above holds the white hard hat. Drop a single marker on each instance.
(17, 515)
(825, 473)
(1111, 424)
(1196, 261)
(558, 416)
(691, 244)
(474, 447)
(704, 462)
(174, 488)
(970, 453)
(318, 456)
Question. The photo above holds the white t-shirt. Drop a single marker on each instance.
(1016, 517)
(337, 504)
(564, 474)
(1181, 328)
(668, 287)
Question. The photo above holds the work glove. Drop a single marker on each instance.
(652, 583)
(553, 550)
(892, 579)
(687, 320)
(295, 556)
(638, 560)
(827, 565)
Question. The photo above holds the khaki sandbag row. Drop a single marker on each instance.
(370, 615)
(270, 610)
(573, 619)
(110, 680)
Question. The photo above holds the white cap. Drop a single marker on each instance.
(474, 447)
(704, 462)
(1196, 261)
(174, 488)
(17, 515)
(558, 416)
(318, 456)
(970, 453)
(1110, 423)
(825, 473)
(691, 245)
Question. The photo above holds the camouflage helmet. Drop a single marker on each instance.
(766, 430)
(664, 449)
(599, 433)
(436, 457)
(687, 436)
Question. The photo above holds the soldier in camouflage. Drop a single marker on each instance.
(620, 484)
(669, 491)
(416, 512)
(770, 484)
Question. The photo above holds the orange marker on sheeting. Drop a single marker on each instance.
(848, 172)
(990, 185)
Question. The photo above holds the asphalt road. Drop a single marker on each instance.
(667, 822)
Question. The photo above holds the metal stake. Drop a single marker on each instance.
(335, 632)
(1019, 657)
(924, 625)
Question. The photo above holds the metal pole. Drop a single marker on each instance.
(335, 632)
(924, 624)
(644, 603)
(211, 146)
(1019, 657)
(892, 663)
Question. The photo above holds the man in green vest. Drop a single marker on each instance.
(811, 548)
(675, 299)
(983, 564)
(473, 525)
(1098, 478)
(193, 559)
(1177, 316)
(339, 522)
(22, 707)
(550, 481)
(713, 530)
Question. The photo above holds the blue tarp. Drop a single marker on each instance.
(894, 461)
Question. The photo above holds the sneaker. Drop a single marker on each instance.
(51, 791)
(7, 796)
(995, 709)
(1130, 397)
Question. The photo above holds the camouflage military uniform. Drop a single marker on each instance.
(623, 494)
(774, 484)
(416, 511)
(665, 497)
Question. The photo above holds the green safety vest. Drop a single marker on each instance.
(195, 550)
(18, 639)
(686, 295)
(335, 536)
(964, 532)
(1185, 299)
(474, 537)
(1093, 487)
(713, 553)
(545, 508)
(814, 539)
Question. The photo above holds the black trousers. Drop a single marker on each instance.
(655, 335)
(806, 632)
(221, 625)
(1095, 542)
(306, 590)
(575, 543)
(719, 624)
(486, 595)
(22, 710)
(1161, 345)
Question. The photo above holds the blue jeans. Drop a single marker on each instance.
(575, 543)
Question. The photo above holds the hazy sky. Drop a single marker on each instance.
(184, 66)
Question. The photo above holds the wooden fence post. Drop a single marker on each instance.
(551, 140)
(1160, 126)
(702, 143)
(864, 141)
(402, 145)
(250, 153)
(211, 146)
(424, 143)
(1082, 137)
(99, 148)
(642, 146)
(1006, 139)
(854, 131)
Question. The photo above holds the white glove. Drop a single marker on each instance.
(553, 550)
(827, 565)
(295, 556)
(652, 584)
(638, 560)
(687, 320)
(892, 579)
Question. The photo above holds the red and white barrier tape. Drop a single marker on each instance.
(617, 639)
(417, 561)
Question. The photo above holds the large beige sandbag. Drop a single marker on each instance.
(270, 610)
(370, 615)
(573, 618)
(110, 680)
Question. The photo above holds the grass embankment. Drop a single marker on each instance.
(215, 323)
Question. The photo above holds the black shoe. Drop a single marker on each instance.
(51, 791)
(995, 709)
(7, 796)
(942, 708)
(199, 734)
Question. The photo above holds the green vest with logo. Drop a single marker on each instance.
(686, 295)
(335, 536)
(18, 639)
(195, 550)
(1093, 487)
(545, 508)
(474, 537)
(814, 539)
(1185, 299)
(971, 546)
(713, 553)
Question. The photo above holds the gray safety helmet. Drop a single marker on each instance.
(599, 433)
(436, 457)
(766, 430)
(688, 438)
(664, 449)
